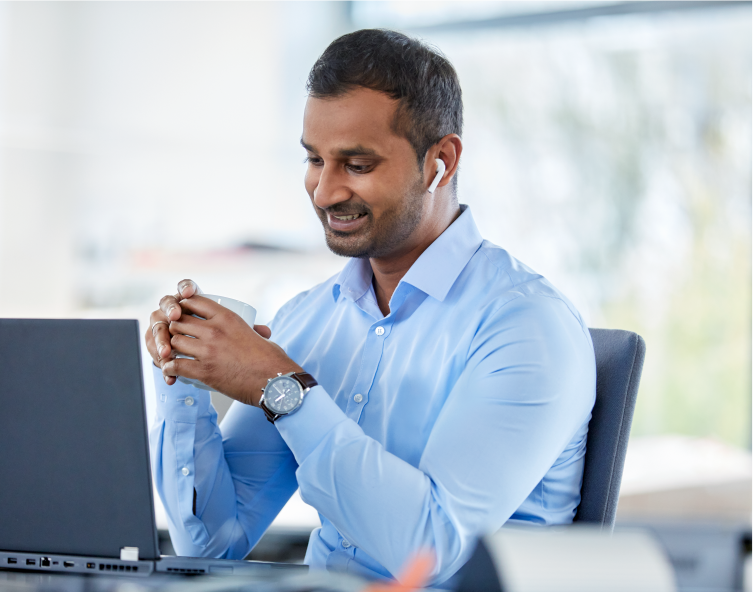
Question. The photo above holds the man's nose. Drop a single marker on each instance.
(331, 188)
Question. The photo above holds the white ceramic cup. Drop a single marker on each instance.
(243, 310)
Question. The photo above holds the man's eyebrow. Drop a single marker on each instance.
(358, 150)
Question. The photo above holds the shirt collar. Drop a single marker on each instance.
(438, 267)
(434, 272)
(354, 280)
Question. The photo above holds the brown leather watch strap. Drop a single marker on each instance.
(271, 417)
(305, 379)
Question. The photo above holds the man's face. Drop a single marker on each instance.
(362, 178)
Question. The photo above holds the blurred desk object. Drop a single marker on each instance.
(579, 558)
(706, 557)
(695, 495)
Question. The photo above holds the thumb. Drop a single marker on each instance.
(187, 288)
(263, 330)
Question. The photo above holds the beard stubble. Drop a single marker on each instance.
(383, 237)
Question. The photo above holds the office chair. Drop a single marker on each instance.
(620, 357)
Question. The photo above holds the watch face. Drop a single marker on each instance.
(282, 394)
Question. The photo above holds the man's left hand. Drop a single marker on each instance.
(228, 355)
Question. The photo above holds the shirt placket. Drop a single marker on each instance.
(374, 346)
(370, 362)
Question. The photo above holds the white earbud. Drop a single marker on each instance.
(438, 176)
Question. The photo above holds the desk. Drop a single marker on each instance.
(19, 581)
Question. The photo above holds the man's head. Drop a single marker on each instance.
(381, 108)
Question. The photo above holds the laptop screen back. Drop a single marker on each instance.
(74, 464)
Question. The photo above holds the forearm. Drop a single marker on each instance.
(216, 506)
(378, 502)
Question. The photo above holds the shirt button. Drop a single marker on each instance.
(345, 544)
(358, 398)
(380, 331)
(185, 470)
(189, 401)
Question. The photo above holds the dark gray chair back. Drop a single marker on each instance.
(620, 357)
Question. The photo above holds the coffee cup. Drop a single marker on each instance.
(243, 310)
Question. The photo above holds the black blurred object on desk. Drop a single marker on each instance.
(276, 545)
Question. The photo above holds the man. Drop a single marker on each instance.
(455, 385)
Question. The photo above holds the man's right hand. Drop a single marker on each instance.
(157, 335)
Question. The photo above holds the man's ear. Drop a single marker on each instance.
(448, 149)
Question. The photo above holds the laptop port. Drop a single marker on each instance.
(68, 563)
(12, 560)
(31, 562)
(90, 566)
(45, 561)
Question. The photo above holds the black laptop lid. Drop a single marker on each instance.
(74, 463)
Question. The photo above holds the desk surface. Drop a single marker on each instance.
(19, 581)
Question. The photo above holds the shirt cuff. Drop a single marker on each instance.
(180, 402)
(307, 427)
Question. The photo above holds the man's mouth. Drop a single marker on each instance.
(351, 217)
(346, 223)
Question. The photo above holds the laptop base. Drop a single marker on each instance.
(53, 562)
(167, 564)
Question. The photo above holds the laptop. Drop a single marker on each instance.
(75, 479)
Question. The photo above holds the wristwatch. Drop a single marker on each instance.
(284, 394)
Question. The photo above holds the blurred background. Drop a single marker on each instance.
(607, 145)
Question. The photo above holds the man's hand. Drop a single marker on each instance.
(229, 356)
(158, 335)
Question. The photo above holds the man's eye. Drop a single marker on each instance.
(359, 168)
(313, 160)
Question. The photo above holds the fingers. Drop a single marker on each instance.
(188, 288)
(170, 305)
(188, 325)
(149, 340)
(263, 330)
(180, 367)
(158, 336)
(187, 345)
(170, 308)
(201, 306)
(162, 340)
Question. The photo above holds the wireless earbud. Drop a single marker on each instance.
(438, 176)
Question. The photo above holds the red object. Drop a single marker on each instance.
(415, 575)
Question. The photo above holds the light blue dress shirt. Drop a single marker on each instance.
(463, 409)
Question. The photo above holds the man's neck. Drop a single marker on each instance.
(388, 271)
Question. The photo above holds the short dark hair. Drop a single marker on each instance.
(417, 75)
